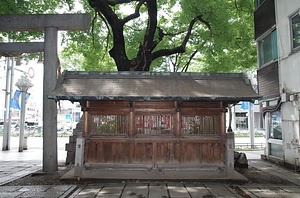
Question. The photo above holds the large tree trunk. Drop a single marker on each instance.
(145, 54)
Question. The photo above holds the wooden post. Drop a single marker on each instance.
(86, 120)
(178, 145)
(131, 135)
(177, 121)
(154, 159)
(131, 124)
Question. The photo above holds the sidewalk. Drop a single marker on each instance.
(14, 165)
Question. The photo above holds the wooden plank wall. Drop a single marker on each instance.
(162, 149)
(179, 151)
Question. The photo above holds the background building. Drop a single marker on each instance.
(277, 33)
(68, 113)
(241, 120)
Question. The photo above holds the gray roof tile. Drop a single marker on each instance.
(83, 85)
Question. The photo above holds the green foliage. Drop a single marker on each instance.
(222, 41)
(30, 7)
(228, 46)
(247, 134)
(88, 50)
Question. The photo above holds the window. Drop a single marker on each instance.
(241, 120)
(200, 125)
(276, 150)
(295, 20)
(268, 50)
(154, 124)
(276, 126)
(258, 3)
(76, 116)
(109, 124)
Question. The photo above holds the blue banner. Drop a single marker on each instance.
(15, 101)
(245, 105)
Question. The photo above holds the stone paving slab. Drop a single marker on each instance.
(271, 191)
(90, 191)
(177, 190)
(135, 190)
(198, 191)
(50, 191)
(181, 190)
(276, 170)
(148, 190)
(156, 190)
(10, 171)
(221, 190)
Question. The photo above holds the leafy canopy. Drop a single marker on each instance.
(163, 35)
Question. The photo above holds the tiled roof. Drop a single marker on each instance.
(81, 85)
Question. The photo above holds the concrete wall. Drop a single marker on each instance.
(289, 76)
(289, 62)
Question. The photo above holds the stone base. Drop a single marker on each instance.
(139, 173)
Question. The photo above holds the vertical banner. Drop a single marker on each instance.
(15, 101)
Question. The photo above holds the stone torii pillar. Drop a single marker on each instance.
(50, 24)
(13, 50)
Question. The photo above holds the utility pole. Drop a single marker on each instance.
(5, 145)
(251, 124)
(12, 73)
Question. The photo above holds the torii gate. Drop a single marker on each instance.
(50, 24)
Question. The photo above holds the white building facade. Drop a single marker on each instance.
(277, 33)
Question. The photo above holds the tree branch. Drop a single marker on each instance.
(186, 66)
(103, 7)
(108, 33)
(136, 13)
(118, 52)
(175, 62)
(152, 23)
(145, 58)
(181, 48)
(204, 22)
(117, 2)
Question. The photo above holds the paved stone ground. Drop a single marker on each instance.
(155, 190)
(12, 170)
(182, 190)
(151, 190)
(271, 191)
(50, 191)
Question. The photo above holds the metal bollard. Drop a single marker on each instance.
(25, 143)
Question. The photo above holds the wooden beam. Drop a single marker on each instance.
(38, 22)
(14, 49)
